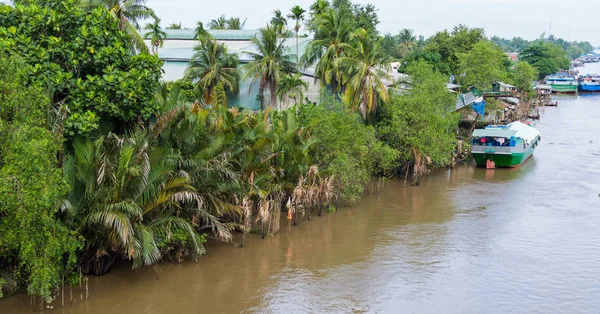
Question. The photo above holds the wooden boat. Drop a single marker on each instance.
(504, 145)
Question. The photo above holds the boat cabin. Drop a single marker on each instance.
(495, 137)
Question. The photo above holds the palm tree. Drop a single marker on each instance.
(127, 199)
(174, 26)
(407, 41)
(278, 21)
(328, 46)
(366, 65)
(234, 23)
(292, 86)
(219, 23)
(297, 14)
(127, 12)
(200, 31)
(269, 63)
(212, 64)
(156, 34)
(318, 8)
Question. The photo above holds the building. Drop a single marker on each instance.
(178, 49)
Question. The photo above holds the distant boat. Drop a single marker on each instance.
(562, 84)
(589, 83)
(504, 145)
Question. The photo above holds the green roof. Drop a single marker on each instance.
(506, 133)
(188, 34)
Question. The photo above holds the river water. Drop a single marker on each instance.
(467, 240)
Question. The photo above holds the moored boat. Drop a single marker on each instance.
(504, 145)
(562, 84)
(589, 83)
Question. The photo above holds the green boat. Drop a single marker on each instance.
(504, 145)
(562, 84)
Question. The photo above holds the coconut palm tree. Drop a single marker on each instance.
(407, 41)
(212, 64)
(235, 23)
(200, 32)
(127, 12)
(316, 9)
(156, 34)
(292, 86)
(174, 26)
(297, 14)
(367, 66)
(328, 46)
(219, 23)
(279, 21)
(270, 62)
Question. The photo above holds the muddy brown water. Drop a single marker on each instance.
(467, 240)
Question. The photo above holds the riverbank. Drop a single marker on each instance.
(508, 240)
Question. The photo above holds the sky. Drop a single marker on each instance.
(571, 19)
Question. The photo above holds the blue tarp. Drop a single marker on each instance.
(479, 107)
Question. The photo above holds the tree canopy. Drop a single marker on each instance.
(85, 60)
(481, 66)
(546, 57)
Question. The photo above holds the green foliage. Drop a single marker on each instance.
(156, 34)
(293, 87)
(85, 59)
(546, 57)
(421, 120)
(352, 16)
(433, 58)
(481, 66)
(347, 148)
(125, 195)
(219, 96)
(38, 248)
(364, 66)
(270, 62)
(523, 75)
(212, 64)
(451, 45)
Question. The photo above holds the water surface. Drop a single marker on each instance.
(523, 240)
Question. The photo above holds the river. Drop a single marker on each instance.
(467, 240)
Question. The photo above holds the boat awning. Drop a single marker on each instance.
(506, 133)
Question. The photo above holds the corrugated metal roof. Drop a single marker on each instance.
(188, 34)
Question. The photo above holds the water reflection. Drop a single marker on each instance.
(523, 240)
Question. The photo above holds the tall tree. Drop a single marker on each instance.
(174, 26)
(331, 38)
(279, 21)
(200, 32)
(218, 23)
(95, 76)
(212, 64)
(292, 86)
(481, 66)
(156, 34)
(297, 14)
(546, 57)
(522, 76)
(234, 23)
(270, 62)
(366, 66)
(450, 44)
(127, 12)
(407, 41)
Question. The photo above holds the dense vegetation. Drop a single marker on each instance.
(100, 161)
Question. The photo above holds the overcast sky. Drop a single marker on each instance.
(571, 19)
